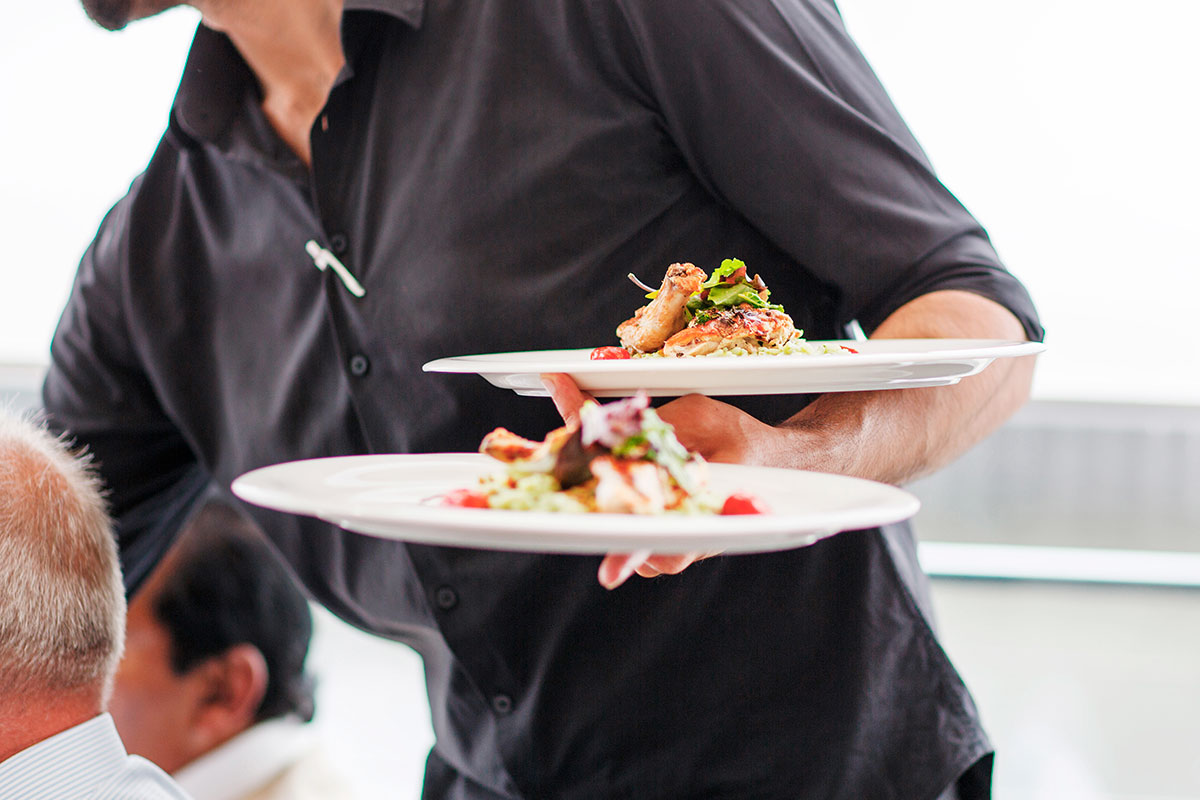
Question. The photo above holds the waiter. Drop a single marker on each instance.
(344, 193)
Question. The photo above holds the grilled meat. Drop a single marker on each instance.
(665, 315)
(727, 328)
(629, 487)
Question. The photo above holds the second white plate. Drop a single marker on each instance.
(388, 496)
(878, 364)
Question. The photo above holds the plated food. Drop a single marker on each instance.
(694, 314)
(621, 458)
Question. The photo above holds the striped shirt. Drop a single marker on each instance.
(86, 762)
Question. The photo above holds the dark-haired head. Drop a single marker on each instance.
(227, 587)
(217, 640)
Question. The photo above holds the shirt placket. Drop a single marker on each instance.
(330, 248)
(455, 600)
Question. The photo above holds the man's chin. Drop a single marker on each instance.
(113, 15)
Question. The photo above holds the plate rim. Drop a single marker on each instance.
(586, 530)
(570, 358)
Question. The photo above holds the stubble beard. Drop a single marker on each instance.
(114, 15)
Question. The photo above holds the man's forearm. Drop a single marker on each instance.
(898, 435)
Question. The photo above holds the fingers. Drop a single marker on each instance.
(616, 568)
(667, 565)
(566, 395)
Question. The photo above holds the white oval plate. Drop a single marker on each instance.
(878, 364)
(389, 496)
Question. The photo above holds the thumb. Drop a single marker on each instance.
(567, 396)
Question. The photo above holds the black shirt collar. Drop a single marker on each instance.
(216, 78)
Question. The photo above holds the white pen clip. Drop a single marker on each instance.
(323, 258)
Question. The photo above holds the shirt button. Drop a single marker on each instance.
(445, 597)
(502, 704)
(338, 243)
(359, 365)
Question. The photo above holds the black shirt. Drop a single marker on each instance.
(490, 172)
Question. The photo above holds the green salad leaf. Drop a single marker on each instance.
(656, 442)
(729, 269)
(728, 286)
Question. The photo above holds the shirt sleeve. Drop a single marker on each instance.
(97, 395)
(779, 115)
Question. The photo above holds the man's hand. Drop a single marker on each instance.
(717, 431)
(892, 436)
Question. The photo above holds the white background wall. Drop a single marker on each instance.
(1069, 128)
(80, 113)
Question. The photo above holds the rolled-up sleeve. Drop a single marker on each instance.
(779, 115)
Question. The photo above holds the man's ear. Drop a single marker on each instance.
(232, 688)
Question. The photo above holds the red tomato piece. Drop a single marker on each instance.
(465, 498)
(740, 503)
(609, 352)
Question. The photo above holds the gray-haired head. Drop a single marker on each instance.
(62, 603)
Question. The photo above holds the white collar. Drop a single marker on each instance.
(71, 763)
(248, 760)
